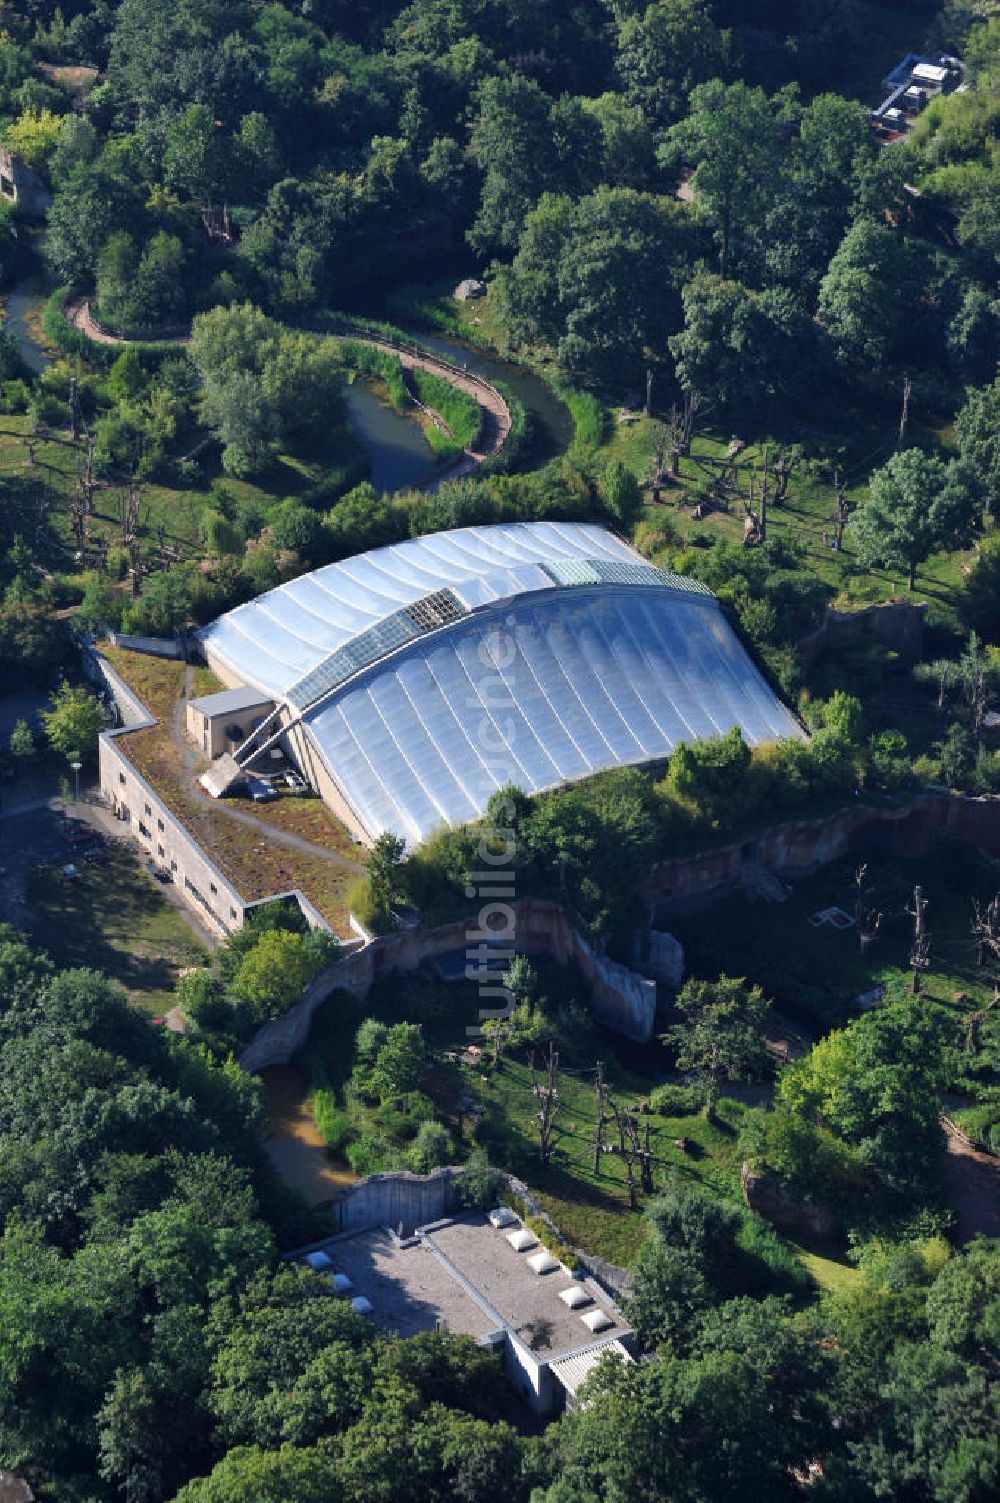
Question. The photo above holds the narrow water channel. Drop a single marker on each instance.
(293, 1143)
(22, 310)
(400, 455)
(553, 424)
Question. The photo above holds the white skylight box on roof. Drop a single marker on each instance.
(597, 1320)
(576, 1297)
(522, 1239)
(361, 1305)
(318, 1261)
(341, 1283)
(502, 1216)
(543, 1262)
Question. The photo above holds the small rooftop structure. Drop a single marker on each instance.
(219, 723)
(573, 1372)
(464, 1275)
(469, 289)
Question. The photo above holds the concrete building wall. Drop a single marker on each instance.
(160, 834)
(21, 186)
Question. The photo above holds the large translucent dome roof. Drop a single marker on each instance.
(431, 673)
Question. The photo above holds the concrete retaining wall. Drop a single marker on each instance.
(154, 647)
(397, 1199)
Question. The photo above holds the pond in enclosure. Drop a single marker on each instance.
(293, 1143)
(400, 455)
(23, 308)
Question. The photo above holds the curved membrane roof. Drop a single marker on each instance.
(431, 673)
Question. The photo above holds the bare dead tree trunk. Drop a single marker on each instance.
(920, 956)
(843, 510)
(602, 1101)
(904, 416)
(547, 1097)
(650, 382)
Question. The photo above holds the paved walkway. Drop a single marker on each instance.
(495, 419)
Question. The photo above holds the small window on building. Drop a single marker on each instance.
(143, 830)
(232, 913)
(213, 889)
(147, 810)
(122, 779)
(159, 850)
(159, 825)
(173, 866)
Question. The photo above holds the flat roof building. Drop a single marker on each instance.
(415, 680)
(465, 1275)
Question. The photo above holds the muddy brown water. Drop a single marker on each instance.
(293, 1143)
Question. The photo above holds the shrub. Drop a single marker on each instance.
(676, 1100)
(369, 1154)
(478, 1184)
(332, 1123)
(432, 1148)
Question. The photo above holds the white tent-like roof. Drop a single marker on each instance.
(433, 672)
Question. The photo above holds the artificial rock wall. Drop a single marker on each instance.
(618, 997)
(798, 847)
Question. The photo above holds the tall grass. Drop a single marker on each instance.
(460, 410)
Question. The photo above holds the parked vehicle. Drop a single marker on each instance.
(77, 835)
(295, 784)
(259, 791)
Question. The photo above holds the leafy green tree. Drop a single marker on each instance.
(33, 137)
(823, 182)
(274, 974)
(131, 1436)
(401, 1062)
(116, 266)
(669, 1296)
(74, 722)
(288, 1475)
(126, 378)
(620, 491)
(977, 429)
(22, 744)
(876, 1084)
(722, 1035)
(662, 53)
(740, 347)
(384, 876)
(707, 772)
(432, 1147)
(512, 145)
(730, 138)
(915, 505)
(864, 310)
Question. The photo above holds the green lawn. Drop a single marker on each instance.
(814, 972)
(807, 513)
(115, 919)
(591, 1210)
(172, 508)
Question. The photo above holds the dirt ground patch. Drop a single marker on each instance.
(972, 1188)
